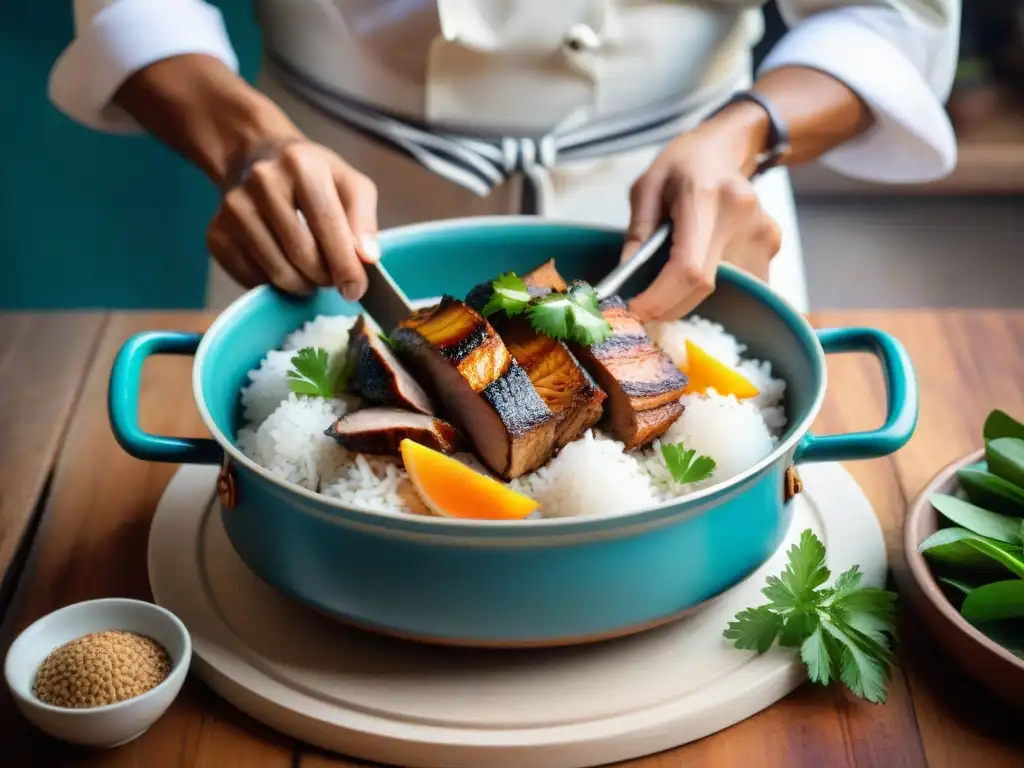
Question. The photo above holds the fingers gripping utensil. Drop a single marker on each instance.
(385, 303)
(614, 280)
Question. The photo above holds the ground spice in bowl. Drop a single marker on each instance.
(101, 668)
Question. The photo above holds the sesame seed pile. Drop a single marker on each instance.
(101, 668)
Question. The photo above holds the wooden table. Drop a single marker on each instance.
(75, 511)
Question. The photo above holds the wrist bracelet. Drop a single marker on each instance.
(778, 133)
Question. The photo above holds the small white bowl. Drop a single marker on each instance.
(113, 724)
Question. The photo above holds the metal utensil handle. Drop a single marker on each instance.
(615, 279)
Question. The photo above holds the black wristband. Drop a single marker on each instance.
(778, 133)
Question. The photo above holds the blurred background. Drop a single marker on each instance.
(78, 209)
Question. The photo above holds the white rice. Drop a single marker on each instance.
(268, 385)
(591, 476)
(566, 487)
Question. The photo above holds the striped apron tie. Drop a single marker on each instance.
(480, 164)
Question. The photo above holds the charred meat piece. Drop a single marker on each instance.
(378, 375)
(563, 384)
(641, 381)
(381, 430)
(480, 387)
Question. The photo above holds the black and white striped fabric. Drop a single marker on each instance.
(481, 164)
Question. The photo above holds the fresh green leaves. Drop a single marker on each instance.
(315, 374)
(843, 632)
(1001, 424)
(571, 316)
(974, 518)
(995, 601)
(961, 548)
(755, 629)
(986, 542)
(960, 586)
(684, 465)
(1005, 457)
(991, 491)
(509, 295)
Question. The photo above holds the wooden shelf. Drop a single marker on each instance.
(991, 162)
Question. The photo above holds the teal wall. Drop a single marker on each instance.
(88, 219)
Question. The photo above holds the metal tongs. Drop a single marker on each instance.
(614, 280)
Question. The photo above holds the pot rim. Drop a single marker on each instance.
(759, 290)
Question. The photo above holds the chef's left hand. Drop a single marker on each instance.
(700, 180)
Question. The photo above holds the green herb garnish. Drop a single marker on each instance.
(683, 466)
(842, 631)
(316, 374)
(571, 316)
(510, 295)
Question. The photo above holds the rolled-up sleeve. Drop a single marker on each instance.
(900, 58)
(116, 38)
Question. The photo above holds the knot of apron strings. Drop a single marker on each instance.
(482, 164)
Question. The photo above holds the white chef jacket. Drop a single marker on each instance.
(525, 67)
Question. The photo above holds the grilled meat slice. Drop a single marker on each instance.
(648, 425)
(381, 430)
(564, 385)
(642, 383)
(377, 374)
(479, 385)
(545, 278)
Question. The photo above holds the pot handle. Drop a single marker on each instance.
(901, 396)
(123, 402)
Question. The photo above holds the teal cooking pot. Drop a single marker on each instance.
(506, 583)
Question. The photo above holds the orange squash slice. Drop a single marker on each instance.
(706, 372)
(451, 489)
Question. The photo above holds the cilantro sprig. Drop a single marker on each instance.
(574, 315)
(315, 373)
(509, 295)
(843, 631)
(684, 465)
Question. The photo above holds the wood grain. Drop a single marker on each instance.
(43, 359)
(92, 543)
(968, 363)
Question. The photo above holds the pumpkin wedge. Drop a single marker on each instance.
(451, 489)
(705, 372)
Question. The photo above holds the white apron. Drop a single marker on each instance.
(511, 68)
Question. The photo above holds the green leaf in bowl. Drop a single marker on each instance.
(980, 521)
(960, 586)
(994, 602)
(1005, 456)
(965, 549)
(1001, 424)
(991, 491)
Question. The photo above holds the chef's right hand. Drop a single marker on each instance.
(259, 237)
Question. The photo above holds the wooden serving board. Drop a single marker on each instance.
(415, 705)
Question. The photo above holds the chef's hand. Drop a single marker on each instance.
(259, 237)
(701, 181)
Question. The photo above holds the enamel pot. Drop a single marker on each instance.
(523, 583)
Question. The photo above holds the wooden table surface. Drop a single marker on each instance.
(75, 512)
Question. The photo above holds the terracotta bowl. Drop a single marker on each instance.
(990, 663)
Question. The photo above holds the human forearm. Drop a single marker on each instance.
(820, 113)
(204, 111)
